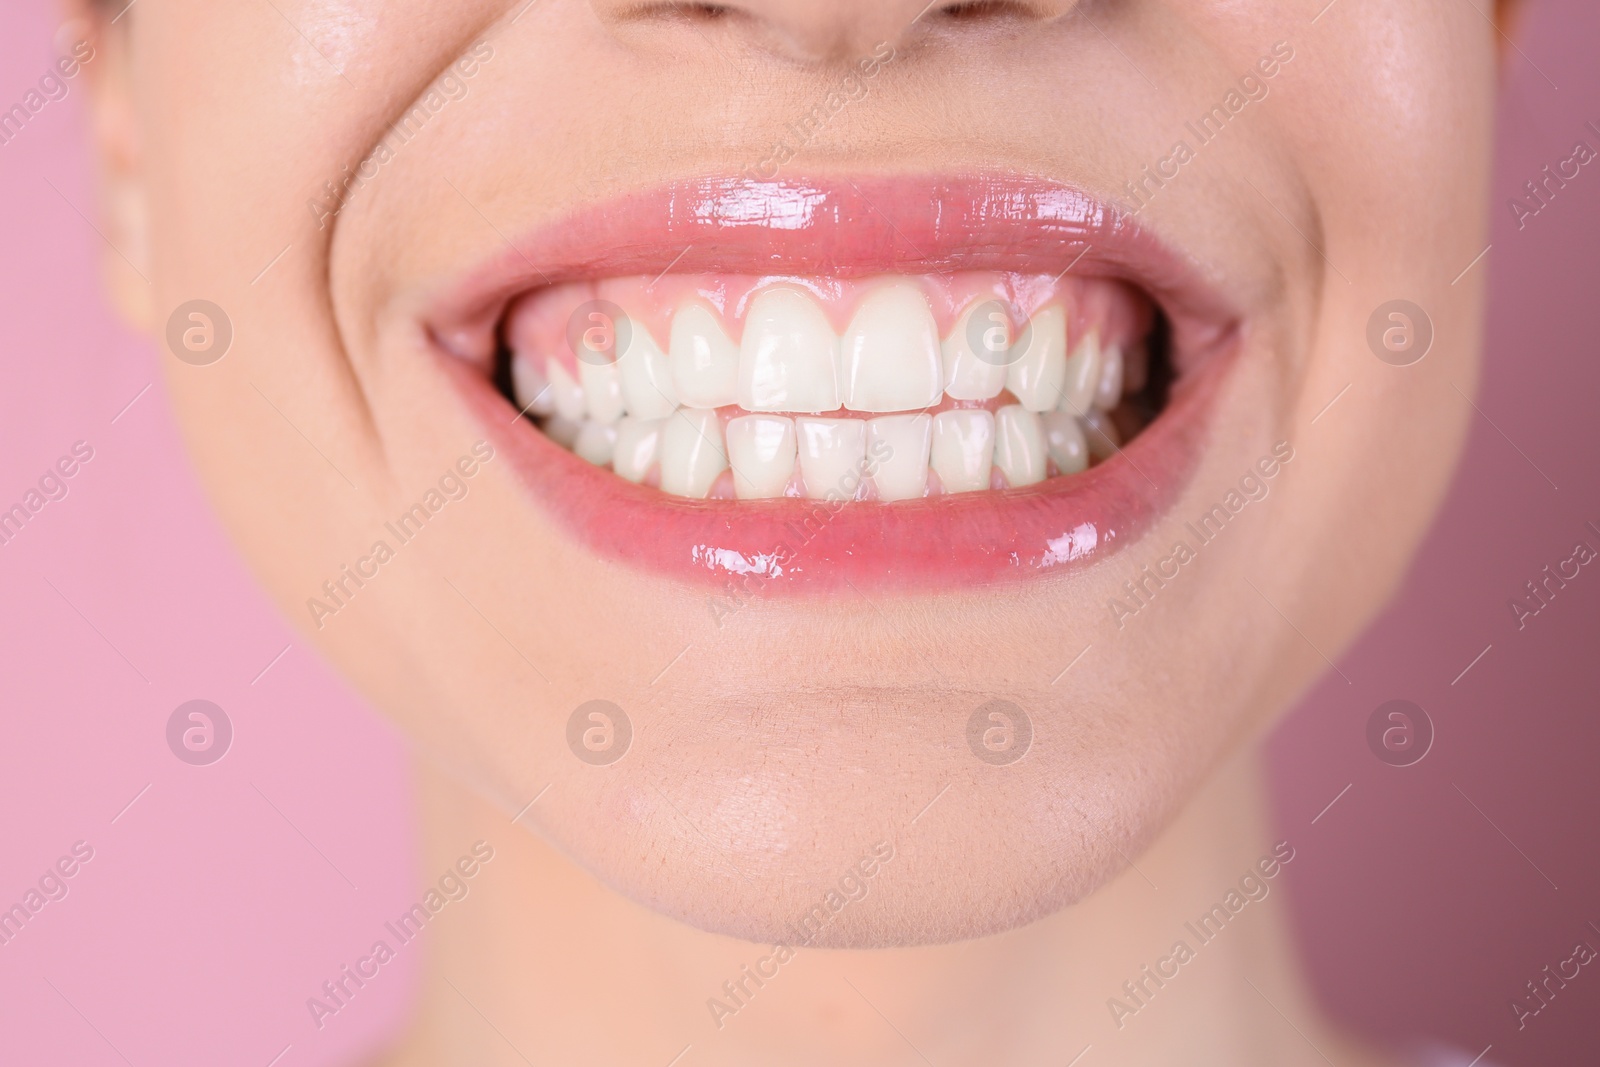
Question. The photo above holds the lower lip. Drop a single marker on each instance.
(964, 539)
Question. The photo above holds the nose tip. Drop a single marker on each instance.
(825, 31)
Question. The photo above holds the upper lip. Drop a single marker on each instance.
(852, 226)
(840, 227)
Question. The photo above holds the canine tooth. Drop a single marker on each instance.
(647, 389)
(1063, 437)
(963, 449)
(899, 444)
(595, 442)
(1108, 387)
(1083, 374)
(602, 390)
(1019, 447)
(568, 393)
(761, 451)
(1037, 376)
(889, 355)
(833, 453)
(705, 362)
(638, 441)
(788, 355)
(562, 430)
(1102, 435)
(970, 374)
(530, 386)
(692, 453)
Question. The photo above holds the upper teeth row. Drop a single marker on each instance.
(789, 359)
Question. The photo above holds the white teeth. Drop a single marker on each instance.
(899, 444)
(963, 449)
(1037, 376)
(602, 390)
(832, 453)
(692, 453)
(595, 442)
(568, 393)
(705, 362)
(638, 441)
(1063, 437)
(530, 386)
(1083, 374)
(562, 430)
(788, 355)
(646, 375)
(971, 374)
(1108, 389)
(889, 355)
(1019, 448)
(659, 417)
(1101, 434)
(761, 451)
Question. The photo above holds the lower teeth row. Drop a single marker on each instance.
(727, 454)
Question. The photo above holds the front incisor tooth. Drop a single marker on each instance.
(963, 449)
(602, 390)
(705, 361)
(788, 355)
(1083, 374)
(568, 393)
(1108, 387)
(833, 454)
(1063, 437)
(692, 453)
(647, 389)
(1037, 376)
(595, 442)
(530, 386)
(889, 354)
(761, 451)
(899, 447)
(977, 373)
(638, 442)
(1019, 448)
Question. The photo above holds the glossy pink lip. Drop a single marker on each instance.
(866, 225)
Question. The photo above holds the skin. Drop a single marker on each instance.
(785, 742)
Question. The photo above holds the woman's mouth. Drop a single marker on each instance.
(898, 387)
(905, 381)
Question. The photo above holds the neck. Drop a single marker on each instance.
(541, 963)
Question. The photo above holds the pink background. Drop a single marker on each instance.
(224, 895)
(1421, 915)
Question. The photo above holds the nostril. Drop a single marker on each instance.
(698, 12)
(979, 10)
(685, 11)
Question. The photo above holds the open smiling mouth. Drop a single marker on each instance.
(897, 387)
(913, 382)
